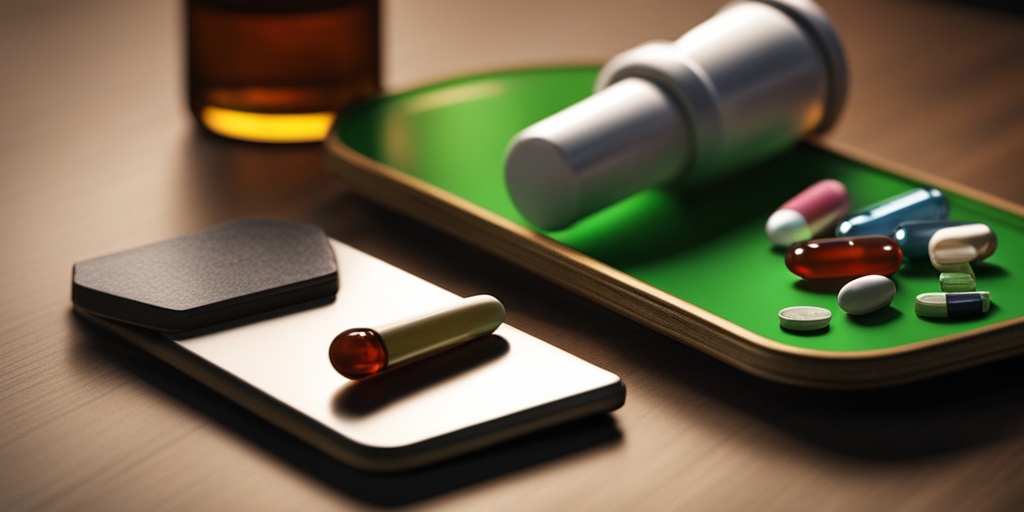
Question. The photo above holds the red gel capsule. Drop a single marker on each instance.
(844, 257)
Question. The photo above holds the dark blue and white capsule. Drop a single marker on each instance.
(913, 235)
(952, 305)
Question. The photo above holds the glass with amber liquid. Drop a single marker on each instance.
(278, 71)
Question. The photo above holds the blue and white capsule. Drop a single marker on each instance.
(882, 217)
(952, 305)
(913, 235)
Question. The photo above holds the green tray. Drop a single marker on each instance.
(694, 265)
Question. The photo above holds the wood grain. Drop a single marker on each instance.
(98, 154)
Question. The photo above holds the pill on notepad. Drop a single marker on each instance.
(364, 351)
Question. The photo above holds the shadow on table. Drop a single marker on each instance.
(950, 413)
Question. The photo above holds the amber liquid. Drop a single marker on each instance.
(278, 71)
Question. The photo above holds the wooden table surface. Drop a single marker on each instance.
(98, 153)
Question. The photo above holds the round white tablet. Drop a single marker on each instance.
(804, 318)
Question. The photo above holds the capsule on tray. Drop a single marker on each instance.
(882, 217)
(913, 235)
(961, 244)
(808, 214)
(952, 305)
(844, 257)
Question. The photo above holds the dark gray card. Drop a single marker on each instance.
(216, 275)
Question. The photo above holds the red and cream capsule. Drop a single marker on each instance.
(361, 352)
(810, 213)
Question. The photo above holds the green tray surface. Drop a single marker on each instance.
(704, 246)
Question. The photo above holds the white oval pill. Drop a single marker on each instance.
(804, 318)
(866, 294)
(961, 244)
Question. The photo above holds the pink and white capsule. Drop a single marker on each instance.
(809, 213)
